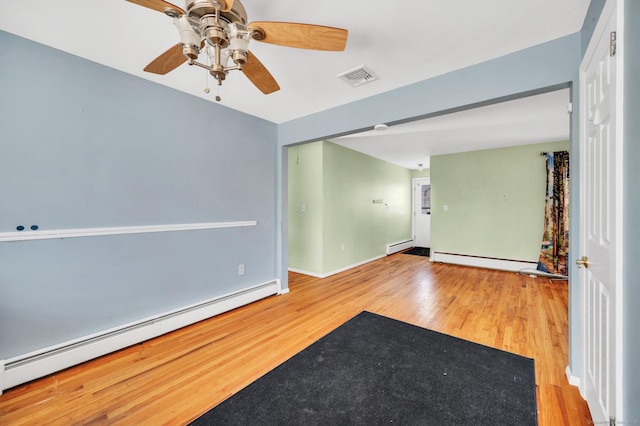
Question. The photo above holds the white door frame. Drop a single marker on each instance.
(414, 182)
(613, 9)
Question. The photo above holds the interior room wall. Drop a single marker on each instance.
(306, 207)
(355, 228)
(341, 196)
(490, 203)
(85, 146)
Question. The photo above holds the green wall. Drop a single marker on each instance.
(341, 225)
(495, 201)
(305, 192)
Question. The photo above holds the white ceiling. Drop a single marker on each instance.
(401, 42)
(535, 119)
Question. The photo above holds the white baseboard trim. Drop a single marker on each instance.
(280, 289)
(27, 367)
(483, 262)
(399, 246)
(303, 272)
(337, 271)
(573, 380)
(355, 265)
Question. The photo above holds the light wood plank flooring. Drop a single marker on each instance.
(174, 378)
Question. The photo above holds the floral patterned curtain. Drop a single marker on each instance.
(555, 239)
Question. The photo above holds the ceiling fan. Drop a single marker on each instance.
(219, 28)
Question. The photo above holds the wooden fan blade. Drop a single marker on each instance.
(303, 36)
(159, 5)
(229, 4)
(171, 59)
(259, 75)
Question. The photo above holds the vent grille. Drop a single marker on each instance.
(358, 76)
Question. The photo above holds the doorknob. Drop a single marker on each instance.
(583, 261)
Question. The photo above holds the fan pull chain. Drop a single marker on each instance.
(206, 84)
(207, 89)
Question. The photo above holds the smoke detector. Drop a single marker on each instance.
(358, 76)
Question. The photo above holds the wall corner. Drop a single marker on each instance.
(573, 380)
(279, 289)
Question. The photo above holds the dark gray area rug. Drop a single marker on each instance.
(419, 251)
(376, 370)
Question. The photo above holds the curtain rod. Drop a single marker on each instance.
(542, 154)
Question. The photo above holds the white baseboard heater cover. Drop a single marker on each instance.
(24, 368)
(399, 246)
(483, 262)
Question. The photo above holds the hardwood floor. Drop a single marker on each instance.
(176, 377)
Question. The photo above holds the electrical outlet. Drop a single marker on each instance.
(342, 247)
(241, 269)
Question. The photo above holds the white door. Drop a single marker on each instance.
(600, 210)
(422, 212)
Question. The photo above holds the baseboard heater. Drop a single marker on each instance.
(399, 246)
(24, 368)
(483, 262)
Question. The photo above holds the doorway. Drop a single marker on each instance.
(421, 212)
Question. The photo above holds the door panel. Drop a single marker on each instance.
(600, 226)
(422, 212)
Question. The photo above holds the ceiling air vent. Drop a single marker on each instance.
(358, 76)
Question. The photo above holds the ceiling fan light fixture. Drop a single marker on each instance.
(239, 38)
(222, 26)
(189, 39)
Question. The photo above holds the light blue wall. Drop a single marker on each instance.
(83, 145)
(631, 212)
(541, 68)
(590, 22)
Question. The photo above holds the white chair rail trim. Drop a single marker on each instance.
(6, 237)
